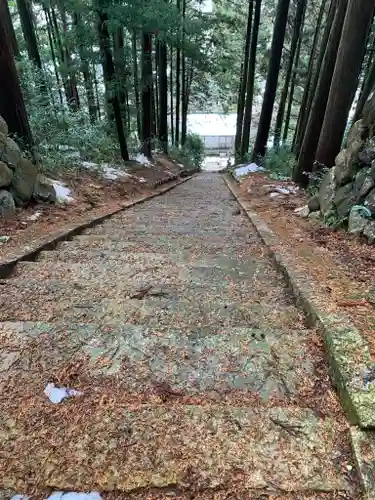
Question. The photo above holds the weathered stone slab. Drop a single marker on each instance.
(265, 362)
(186, 446)
(363, 443)
(169, 306)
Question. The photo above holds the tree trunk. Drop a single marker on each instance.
(120, 67)
(178, 87)
(366, 90)
(136, 83)
(53, 56)
(85, 66)
(67, 58)
(12, 106)
(309, 144)
(244, 77)
(29, 32)
(291, 92)
(345, 79)
(316, 76)
(303, 112)
(146, 93)
(272, 77)
(250, 81)
(163, 96)
(155, 92)
(110, 76)
(171, 93)
(184, 102)
(10, 32)
(96, 89)
(297, 30)
(69, 94)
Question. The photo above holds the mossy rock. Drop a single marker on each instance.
(24, 179)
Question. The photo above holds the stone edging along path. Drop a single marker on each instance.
(68, 231)
(351, 367)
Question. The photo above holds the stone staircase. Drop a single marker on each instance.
(198, 377)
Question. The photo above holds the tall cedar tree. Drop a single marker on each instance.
(272, 77)
(304, 166)
(10, 32)
(28, 30)
(85, 64)
(178, 81)
(171, 92)
(243, 82)
(297, 28)
(163, 96)
(291, 91)
(308, 89)
(68, 61)
(136, 82)
(347, 69)
(71, 92)
(146, 76)
(184, 96)
(250, 81)
(368, 85)
(110, 77)
(12, 106)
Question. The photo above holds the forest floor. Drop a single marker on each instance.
(195, 374)
(342, 268)
(89, 194)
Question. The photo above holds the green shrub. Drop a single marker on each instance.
(191, 155)
(278, 162)
(63, 138)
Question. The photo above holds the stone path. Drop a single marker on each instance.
(198, 377)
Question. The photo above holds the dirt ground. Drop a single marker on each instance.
(92, 196)
(341, 266)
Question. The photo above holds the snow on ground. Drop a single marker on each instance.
(57, 394)
(251, 168)
(215, 163)
(65, 495)
(141, 158)
(62, 192)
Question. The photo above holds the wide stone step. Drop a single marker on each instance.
(124, 231)
(162, 407)
(107, 447)
(210, 362)
(53, 300)
(162, 244)
(69, 253)
(142, 267)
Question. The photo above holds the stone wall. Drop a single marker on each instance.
(347, 191)
(20, 180)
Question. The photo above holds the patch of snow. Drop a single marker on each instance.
(141, 158)
(35, 216)
(110, 173)
(90, 165)
(19, 497)
(62, 192)
(141, 179)
(251, 168)
(57, 394)
(4, 239)
(71, 495)
(282, 190)
(302, 211)
(274, 195)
